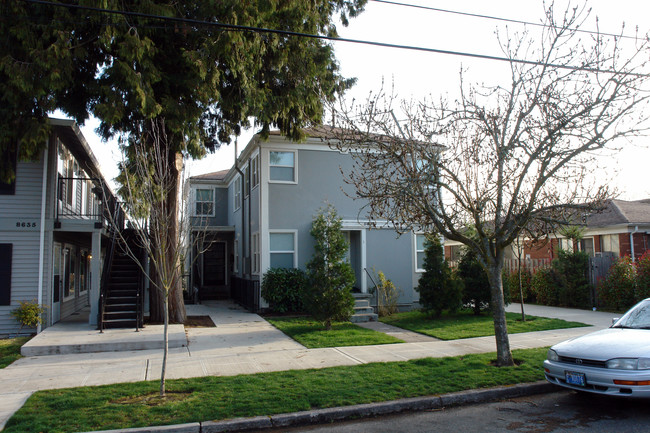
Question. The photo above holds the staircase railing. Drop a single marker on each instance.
(375, 289)
(108, 264)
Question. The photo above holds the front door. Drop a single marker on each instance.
(57, 284)
(214, 265)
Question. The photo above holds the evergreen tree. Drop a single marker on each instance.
(330, 276)
(438, 288)
(165, 60)
(476, 286)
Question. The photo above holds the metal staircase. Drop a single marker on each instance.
(121, 299)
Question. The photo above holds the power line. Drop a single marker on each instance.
(235, 27)
(508, 20)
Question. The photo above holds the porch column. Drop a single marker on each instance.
(96, 272)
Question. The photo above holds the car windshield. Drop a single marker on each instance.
(638, 317)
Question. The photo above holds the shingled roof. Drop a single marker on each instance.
(216, 175)
(620, 212)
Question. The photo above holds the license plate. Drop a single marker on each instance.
(573, 378)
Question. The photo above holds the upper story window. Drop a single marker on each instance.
(204, 202)
(282, 166)
(255, 171)
(247, 183)
(237, 194)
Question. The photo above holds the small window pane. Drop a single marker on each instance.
(420, 260)
(204, 195)
(282, 158)
(420, 239)
(282, 260)
(281, 173)
(281, 241)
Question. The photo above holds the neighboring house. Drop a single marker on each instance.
(51, 229)
(258, 215)
(621, 229)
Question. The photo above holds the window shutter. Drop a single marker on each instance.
(5, 273)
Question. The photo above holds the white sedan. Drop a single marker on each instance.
(614, 361)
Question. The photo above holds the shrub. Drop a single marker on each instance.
(30, 314)
(284, 289)
(642, 289)
(617, 290)
(544, 285)
(511, 285)
(329, 293)
(476, 286)
(387, 296)
(438, 288)
(572, 272)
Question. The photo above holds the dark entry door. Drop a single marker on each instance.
(214, 265)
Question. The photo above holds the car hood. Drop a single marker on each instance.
(607, 344)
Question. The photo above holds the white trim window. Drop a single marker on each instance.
(282, 249)
(566, 245)
(204, 202)
(418, 254)
(237, 193)
(255, 240)
(610, 243)
(255, 171)
(282, 166)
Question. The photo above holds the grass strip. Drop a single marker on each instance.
(464, 324)
(10, 349)
(215, 398)
(313, 335)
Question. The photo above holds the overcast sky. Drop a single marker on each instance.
(419, 74)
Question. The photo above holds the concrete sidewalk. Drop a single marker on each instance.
(244, 343)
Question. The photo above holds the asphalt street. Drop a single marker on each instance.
(559, 412)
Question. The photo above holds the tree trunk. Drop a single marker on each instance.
(163, 371)
(504, 356)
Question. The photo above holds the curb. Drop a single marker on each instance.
(328, 415)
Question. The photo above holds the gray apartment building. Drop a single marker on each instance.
(258, 214)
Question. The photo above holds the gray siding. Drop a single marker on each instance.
(24, 206)
(320, 182)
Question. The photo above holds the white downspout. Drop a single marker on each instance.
(41, 250)
(636, 229)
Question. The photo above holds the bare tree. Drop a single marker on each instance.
(147, 181)
(509, 160)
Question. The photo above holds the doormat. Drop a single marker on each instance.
(199, 322)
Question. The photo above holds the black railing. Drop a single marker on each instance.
(108, 263)
(79, 198)
(246, 293)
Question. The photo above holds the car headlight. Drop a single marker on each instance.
(551, 355)
(629, 363)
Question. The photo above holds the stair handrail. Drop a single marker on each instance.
(376, 291)
(108, 264)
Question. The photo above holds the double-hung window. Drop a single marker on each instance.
(282, 166)
(283, 250)
(256, 253)
(420, 240)
(255, 171)
(204, 202)
(237, 195)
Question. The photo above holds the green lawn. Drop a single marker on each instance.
(10, 349)
(313, 335)
(465, 324)
(215, 398)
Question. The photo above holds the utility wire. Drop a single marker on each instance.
(235, 27)
(508, 20)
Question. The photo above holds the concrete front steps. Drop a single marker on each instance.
(363, 312)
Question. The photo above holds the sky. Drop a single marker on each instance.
(415, 75)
